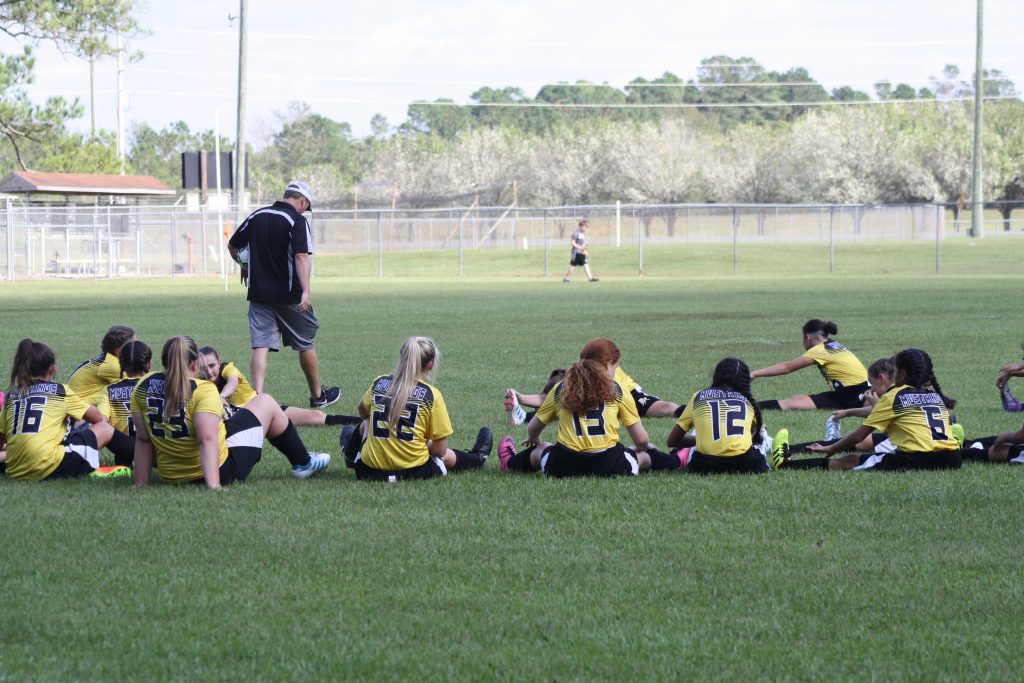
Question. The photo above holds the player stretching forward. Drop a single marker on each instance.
(94, 375)
(842, 370)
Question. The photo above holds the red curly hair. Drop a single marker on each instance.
(587, 384)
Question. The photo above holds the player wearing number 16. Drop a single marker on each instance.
(34, 417)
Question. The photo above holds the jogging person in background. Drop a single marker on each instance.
(579, 252)
(276, 270)
(844, 373)
(180, 427)
(92, 377)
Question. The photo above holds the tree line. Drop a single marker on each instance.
(736, 133)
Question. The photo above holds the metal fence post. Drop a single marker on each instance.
(380, 245)
(10, 240)
(735, 237)
(640, 244)
(937, 239)
(138, 240)
(831, 240)
(95, 246)
(545, 229)
(111, 262)
(174, 245)
(460, 245)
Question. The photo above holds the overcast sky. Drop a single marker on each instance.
(350, 60)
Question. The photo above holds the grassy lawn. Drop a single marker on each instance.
(791, 575)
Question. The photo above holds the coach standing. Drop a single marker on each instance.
(277, 276)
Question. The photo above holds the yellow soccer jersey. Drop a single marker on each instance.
(625, 381)
(244, 391)
(724, 421)
(425, 417)
(174, 439)
(837, 364)
(596, 431)
(33, 422)
(116, 405)
(916, 420)
(93, 376)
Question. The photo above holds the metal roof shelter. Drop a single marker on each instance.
(30, 183)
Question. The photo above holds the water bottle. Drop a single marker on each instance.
(832, 430)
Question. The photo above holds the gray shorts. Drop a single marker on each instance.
(271, 323)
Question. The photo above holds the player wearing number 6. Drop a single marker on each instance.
(34, 416)
(915, 414)
(728, 425)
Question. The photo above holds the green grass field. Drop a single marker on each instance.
(791, 575)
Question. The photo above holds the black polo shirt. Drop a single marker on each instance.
(274, 234)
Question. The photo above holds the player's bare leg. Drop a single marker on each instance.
(311, 369)
(258, 367)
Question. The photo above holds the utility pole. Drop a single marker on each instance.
(239, 181)
(120, 104)
(977, 201)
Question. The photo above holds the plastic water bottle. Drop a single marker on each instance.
(832, 430)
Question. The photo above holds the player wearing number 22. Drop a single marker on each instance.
(727, 422)
(34, 417)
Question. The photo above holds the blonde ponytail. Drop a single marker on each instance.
(177, 357)
(413, 358)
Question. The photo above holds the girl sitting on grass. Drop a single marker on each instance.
(34, 418)
(180, 429)
(842, 370)
(405, 428)
(728, 425)
(913, 412)
(589, 405)
(94, 375)
(136, 359)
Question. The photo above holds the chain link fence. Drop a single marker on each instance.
(133, 240)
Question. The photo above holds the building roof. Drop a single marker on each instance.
(22, 182)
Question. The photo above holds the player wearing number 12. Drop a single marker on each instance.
(727, 421)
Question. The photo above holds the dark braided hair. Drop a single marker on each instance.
(826, 328)
(732, 373)
(917, 365)
(135, 358)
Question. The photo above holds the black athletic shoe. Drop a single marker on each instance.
(328, 396)
(484, 443)
(346, 436)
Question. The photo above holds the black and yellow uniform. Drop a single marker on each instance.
(93, 376)
(424, 417)
(116, 405)
(33, 423)
(844, 373)
(642, 399)
(174, 438)
(589, 443)
(724, 422)
(919, 426)
(244, 391)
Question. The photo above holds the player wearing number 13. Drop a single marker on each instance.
(34, 417)
(727, 421)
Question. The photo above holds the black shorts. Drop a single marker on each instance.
(578, 259)
(245, 446)
(77, 444)
(433, 467)
(643, 400)
(559, 461)
(751, 462)
(902, 460)
(837, 399)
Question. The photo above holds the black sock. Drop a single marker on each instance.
(660, 460)
(290, 444)
(802, 447)
(768, 405)
(529, 416)
(123, 448)
(464, 460)
(334, 420)
(806, 464)
(978, 454)
(679, 411)
(520, 462)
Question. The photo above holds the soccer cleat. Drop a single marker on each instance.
(484, 444)
(780, 448)
(317, 462)
(958, 434)
(565, 279)
(328, 396)
(1010, 402)
(766, 444)
(516, 413)
(111, 472)
(344, 438)
(594, 279)
(506, 449)
(684, 456)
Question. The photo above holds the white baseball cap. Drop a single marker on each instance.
(302, 188)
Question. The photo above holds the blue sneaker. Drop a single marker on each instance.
(317, 462)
